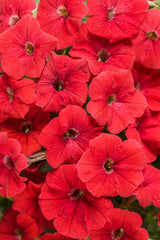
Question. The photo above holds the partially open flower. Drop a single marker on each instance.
(12, 162)
(121, 225)
(12, 11)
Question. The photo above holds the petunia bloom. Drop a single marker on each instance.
(100, 54)
(114, 100)
(15, 226)
(67, 136)
(27, 130)
(147, 81)
(63, 81)
(11, 11)
(121, 225)
(12, 162)
(149, 192)
(147, 43)
(111, 167)
(15, 96)
(26, 48)
(61, 18)
(116, 20)
(27, 202)
(74, 210)
(146, 130)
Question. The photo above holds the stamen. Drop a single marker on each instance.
(118, 234)
(29, 48)
(10, 93)
(13, 20)
(71, 133)
(111, 99)
(76, 194)
(103, 55)
(110, 13)
(152, 35)
(62, 11)
(108, 165)
(58, 84)
(26, 127)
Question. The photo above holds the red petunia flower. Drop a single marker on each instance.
(27, 202)
(63, 82)
(111, 167)
(100, 54)
(116, 20)
(15, 226)
(114, 100)
(121, 225)
(147, 43)
(146, 130)
(61, 18)
(149, 192)
(25, 47)
(15, 96)
(12, 162)
(27, 130)
(147, 81)
(65, 199)
(11, 11)
(67, 136)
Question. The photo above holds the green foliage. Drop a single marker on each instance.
(5, 203)
(35, 10)
(150, 223)
(154, 4)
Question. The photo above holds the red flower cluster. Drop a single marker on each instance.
(93, 116)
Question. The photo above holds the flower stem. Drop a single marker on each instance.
(153, 4)
(40, 156)
(126, 204)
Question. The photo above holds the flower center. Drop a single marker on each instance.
(111, 99)
(58, 85)
(18, 234)
(137, 86)
(10, 93)
(62, 11)
(13, 20)
(118, 234)
(103, 55)
(26, 127)
(152, 35)
(8, 162)
(29, 48)
(76, 194)
(111, 13)
(71, 133)
(108, 165)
